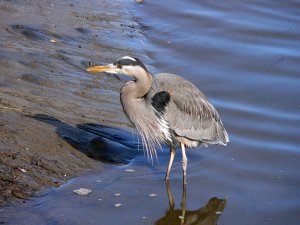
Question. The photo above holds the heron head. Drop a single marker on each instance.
(126, 65)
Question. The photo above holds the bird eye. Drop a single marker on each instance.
(119, 65)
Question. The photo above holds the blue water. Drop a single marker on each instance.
(245, 56)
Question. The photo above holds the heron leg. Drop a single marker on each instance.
(172, 155)
(170, 196)
(184, 163)
(183, 203)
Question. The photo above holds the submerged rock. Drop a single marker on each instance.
(117, 205)
(82, 191)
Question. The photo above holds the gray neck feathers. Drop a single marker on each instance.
(141, 113)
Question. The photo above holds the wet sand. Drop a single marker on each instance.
(45, 47)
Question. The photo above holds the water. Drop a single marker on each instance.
(245, 57)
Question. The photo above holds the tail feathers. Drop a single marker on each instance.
(222, 134)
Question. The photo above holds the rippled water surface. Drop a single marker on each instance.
(245, 56)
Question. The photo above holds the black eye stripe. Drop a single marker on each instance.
(128, 62)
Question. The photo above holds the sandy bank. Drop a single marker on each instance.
(44, 48)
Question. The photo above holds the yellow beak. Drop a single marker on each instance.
(99, 69)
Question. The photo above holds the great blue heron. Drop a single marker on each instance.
(166, 109)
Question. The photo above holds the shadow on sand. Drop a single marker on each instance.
(103, 143)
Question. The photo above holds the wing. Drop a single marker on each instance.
(189, 113)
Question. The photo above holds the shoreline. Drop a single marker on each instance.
(44, 50)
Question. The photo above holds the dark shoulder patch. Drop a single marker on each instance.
(160, 100)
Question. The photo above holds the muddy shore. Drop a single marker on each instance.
(44, 48)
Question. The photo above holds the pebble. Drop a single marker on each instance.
(117, 205)
(23, 170)
(117, 194)
(139, 1)
(152, 195)
(82, 191)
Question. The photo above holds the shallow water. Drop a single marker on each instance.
(245, 57)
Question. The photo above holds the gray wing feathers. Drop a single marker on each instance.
(189, 112)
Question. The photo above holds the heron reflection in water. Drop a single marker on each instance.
(206, 215)
(166, 109)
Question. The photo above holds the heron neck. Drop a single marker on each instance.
(137, 89)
